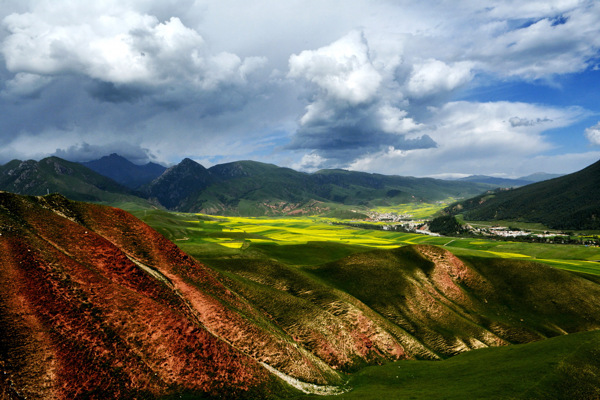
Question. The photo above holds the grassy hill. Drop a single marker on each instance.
(568, 202)
(565, 367)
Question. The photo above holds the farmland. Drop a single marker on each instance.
(302, 240)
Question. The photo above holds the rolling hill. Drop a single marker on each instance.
(567, 202)
(94, 303)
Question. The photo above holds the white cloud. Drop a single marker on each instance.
(395, 120)
(116, 44)
(593, 134)
(560, 38)
(343, 69)
(354, 80)
(434, 76)
(24, 84)
(310, 162)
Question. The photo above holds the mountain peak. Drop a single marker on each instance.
(123, 171)
(188, 162)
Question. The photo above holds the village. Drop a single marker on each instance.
(405, 223)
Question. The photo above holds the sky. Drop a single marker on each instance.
(415, 88)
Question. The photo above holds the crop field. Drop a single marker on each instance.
(416, 210)
(299, 240)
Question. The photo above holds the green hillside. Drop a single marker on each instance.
(73, 180)
(565, 367)
(253, 188)
(568, 202)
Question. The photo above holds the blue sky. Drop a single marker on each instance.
(429, 88)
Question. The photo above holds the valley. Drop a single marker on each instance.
(284, 299)
(291, 239)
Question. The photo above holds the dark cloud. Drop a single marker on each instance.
(109, 92)
(517, 121)
(351, 133)
(86, 152)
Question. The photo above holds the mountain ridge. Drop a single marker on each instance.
(73, 180)
(244, 187)
(567, 202)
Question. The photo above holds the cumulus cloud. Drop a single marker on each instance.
(117, 45)
(475, 138)
(350, 113)
(372, 85)
(593, 134)
(343, 70)
(435, 76)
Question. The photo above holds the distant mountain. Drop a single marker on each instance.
(71, 179)
(125, 172)
(567, 202)
(508, 182)
(241, 187)
(250, 187)
(500, 182)
(539, 177)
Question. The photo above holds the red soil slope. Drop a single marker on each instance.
(80, 319)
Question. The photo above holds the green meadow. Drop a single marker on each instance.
(564, 367)
(314, 240)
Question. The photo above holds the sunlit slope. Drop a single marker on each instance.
(568, 202)
(451, 304)
(88, 311)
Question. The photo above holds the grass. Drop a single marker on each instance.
(564, 367)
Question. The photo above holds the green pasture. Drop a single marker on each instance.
(564, 367)
(296, 240)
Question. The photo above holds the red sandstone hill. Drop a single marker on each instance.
(96, 304)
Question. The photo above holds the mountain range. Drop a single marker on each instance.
(242, 187)
(508, 182)
(96, 304)
(253, 188)
(567, 202)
